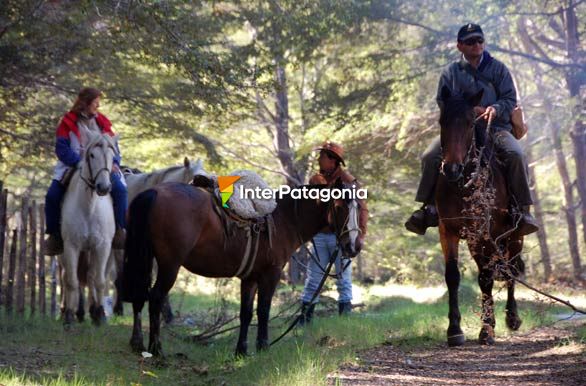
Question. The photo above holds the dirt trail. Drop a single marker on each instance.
(544, 356)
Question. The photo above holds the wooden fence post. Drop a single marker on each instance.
(54, 287)
(3, 207)
(21, 275)
(11, 271)
(42, 283)
(32, 275)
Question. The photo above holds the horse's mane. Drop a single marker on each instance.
(454, 107)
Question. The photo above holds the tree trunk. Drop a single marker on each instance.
(284, 151)
(281, 135)
(578, 132)
(21, 272)
(3, 208)
(569, 206)
(538, 211)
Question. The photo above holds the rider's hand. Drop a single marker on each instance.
(490, 113)
(115, 168)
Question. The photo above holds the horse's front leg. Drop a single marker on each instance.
(118, 255)
(247, 291)
(137, 340)
(486, 282)
(449, 242)
(516, 267)
(97, 283)
(80, 313)
(69, 262)
(266, 289)
(166, 276)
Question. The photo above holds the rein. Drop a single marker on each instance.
(326, 271)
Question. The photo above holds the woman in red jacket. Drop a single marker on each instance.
(68, 148)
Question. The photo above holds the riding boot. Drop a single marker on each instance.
(54, 245)
(344, 308)
(422, 218)
(306, 314)
(119, 239)
(527, 224)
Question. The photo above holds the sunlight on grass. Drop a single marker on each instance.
(416, 294)
(39, 351)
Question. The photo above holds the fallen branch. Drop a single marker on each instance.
(565, 302)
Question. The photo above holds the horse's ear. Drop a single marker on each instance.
(476, 98)
(86, 136)
(445, 93)
(186, 163)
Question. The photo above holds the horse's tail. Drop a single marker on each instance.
(138, 250)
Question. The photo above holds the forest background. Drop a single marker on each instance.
(258, 84)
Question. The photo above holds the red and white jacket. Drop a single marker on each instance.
(68, 145)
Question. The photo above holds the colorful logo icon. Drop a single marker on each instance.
(226, 185)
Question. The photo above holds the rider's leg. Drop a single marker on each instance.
(425, 217)
(54, 243)
(120, 201)
(511, 153)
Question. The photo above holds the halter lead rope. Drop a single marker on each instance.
(331, 261)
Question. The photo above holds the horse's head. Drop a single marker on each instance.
(457, 128)
(343, 218)
(191, 169)
(97, 162)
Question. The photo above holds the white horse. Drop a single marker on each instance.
(87, 224)
(138, 183)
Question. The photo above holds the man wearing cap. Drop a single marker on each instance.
(331, 159)
(476, 70)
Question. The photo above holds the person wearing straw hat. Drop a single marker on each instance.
(331, 162)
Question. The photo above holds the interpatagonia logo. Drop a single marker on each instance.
(226, 185)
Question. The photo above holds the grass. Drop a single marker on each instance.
(39, 351)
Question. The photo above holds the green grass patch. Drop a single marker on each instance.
(39, 351)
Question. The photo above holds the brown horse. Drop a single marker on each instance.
(473, 204)
(178, 225)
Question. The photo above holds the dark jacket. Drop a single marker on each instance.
(494, 78)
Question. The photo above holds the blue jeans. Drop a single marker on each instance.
(325, 245)
(55, 195)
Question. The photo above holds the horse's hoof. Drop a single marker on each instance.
(137, 345)
(486, 336)
(262, 345)
(156, 349)
(513, 322)
(68, 319)
(98, 315)
(119, 311)
(456, 340)
(80, 316)
(241, 352)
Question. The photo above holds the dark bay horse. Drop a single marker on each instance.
(177, 224)
(473, 204)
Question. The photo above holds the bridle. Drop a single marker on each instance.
(91, 182)
(472, 149)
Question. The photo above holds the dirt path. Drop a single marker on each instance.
(544, 356)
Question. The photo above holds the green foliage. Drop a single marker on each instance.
(198, 79)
